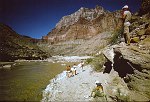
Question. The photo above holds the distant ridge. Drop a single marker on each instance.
(14, 46)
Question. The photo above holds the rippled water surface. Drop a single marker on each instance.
(27, 80)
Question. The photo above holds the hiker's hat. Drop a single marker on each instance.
(98, 83)
(126, 6)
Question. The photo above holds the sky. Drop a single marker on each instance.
(35, 18)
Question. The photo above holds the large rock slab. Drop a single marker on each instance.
(133, 65)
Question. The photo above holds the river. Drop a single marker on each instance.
(26, 80)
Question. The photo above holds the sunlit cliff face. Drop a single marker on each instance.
(84, 23)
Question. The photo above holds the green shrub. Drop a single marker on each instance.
(117, 34)
(122, 98)
(98, 62)
(89, 60)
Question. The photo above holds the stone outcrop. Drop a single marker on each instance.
(133, 62)
(84, 23)
(81, 47)
(14, 46)
(145, 7)
(139, 29)
(133, 65)
(140, 33)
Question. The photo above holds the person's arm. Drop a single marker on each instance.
(92, 92)
(102, 88)
(124, 17)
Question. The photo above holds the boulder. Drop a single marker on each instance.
(133, 65)
(108, 53)
(7, 67)
(142, 37)
(147, 32)
(141, 32)
(135, 40)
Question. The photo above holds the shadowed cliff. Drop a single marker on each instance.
(14, 46)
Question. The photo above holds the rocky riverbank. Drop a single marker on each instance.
(79, 87)
(126, 80)
(132, 64)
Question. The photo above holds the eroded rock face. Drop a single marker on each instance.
(84, 23)
(133, 65)
(88, 14)
(145, 8)
(14, 46)
(139, 29)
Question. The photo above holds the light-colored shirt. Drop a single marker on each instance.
(74, 68)
(127, 15)
(127, 24)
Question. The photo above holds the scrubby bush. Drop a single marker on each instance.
(98, 62)
(117, 34)
(89, 60)
(122, 98)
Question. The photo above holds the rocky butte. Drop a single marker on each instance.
(84, 23)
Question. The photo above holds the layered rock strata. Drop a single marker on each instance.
(84, 23)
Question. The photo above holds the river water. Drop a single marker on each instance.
(26, 80)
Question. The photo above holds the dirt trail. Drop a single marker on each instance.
(76, 88)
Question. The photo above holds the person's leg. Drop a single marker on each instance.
(128, 39)
(93, 94)
(72, 72)
(125, 39)
(75, 72)
(82, 68)
(126, 34)
(67, 74)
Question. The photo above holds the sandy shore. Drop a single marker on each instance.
(76, 88)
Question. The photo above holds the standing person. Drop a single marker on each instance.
(126, 20)
(82, 64)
